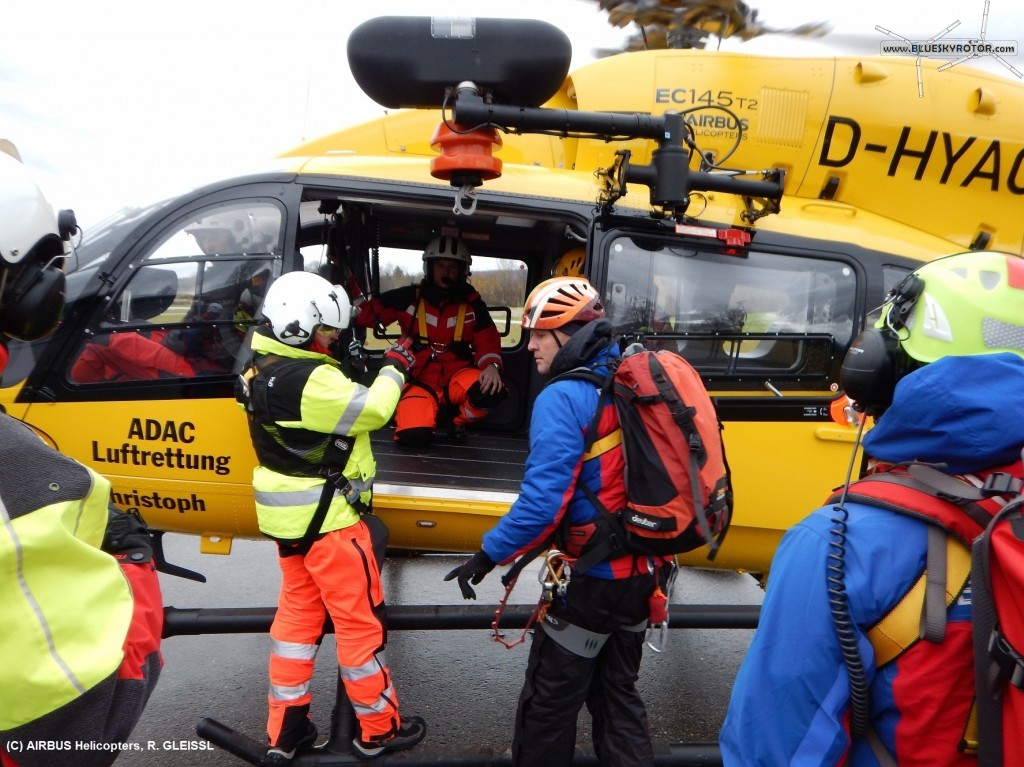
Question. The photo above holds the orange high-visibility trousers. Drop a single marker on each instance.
(417, 409)
(339, 576)
(457, 393)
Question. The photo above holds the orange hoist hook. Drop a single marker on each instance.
(465, 160)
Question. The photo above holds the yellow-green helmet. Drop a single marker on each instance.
(959, 305)
(963, 304)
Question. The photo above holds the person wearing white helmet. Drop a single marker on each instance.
(943, 373)
(458, 350)
(310, 427)
(80, 603)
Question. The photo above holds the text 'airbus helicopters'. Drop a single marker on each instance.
(747, 212)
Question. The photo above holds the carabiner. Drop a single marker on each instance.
(555, 575)
(657, 644)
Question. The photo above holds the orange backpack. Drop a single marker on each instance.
(678, 485)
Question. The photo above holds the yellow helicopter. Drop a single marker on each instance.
(749, 212)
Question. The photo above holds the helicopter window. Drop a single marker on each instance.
(188, 309)
(240, 228)
(762, 314)
(176, 320)
(98, 240)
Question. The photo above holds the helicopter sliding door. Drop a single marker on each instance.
(767, 330)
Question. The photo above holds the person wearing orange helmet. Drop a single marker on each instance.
(457, 347)
(589, 646)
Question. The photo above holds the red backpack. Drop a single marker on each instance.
(985, 553)
(678, 486)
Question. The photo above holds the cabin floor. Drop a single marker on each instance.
(487, 461)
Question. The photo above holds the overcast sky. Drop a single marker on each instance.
(115, 103)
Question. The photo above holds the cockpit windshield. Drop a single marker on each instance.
(100, 239)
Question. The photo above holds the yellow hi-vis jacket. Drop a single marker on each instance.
(65, 606)
(318, 399)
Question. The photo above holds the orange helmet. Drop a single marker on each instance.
(559, 301)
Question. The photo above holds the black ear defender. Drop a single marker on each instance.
(876, 360)
(32, 301)
(869, 371)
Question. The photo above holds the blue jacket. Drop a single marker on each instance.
(790, 703)
(562, 417)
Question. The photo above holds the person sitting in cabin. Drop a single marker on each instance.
(458, 350)
(209, 341)
(943, 374)
(80, 601)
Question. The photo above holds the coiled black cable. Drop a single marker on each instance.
(839, 604)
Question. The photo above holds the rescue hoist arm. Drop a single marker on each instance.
(668, 176)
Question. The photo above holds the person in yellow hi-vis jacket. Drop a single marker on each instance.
(310, 428)
(80, 607)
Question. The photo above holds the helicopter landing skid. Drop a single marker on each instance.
(335, 752)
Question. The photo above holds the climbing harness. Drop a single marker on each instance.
(554, 578)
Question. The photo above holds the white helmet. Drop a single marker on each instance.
(448, 247)
(26, 218)
(299, 301)
(31, 253)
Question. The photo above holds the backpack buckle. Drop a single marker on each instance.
(1009, 661)
(1000, 483)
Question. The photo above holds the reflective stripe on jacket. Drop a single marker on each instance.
(65, 606)
(321, 400)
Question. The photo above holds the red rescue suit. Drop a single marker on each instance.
(132, 356)
(454, 339)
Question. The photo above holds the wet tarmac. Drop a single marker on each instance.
(462, 682)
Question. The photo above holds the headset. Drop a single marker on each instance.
(876, 360)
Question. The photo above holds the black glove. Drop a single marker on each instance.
(400, 355)
(127, 537)
(472, 571)
(357, 356)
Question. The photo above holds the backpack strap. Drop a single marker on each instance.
(996, 661)
(920, 614)
(683, 416)
(613, 538)
(604, 545)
